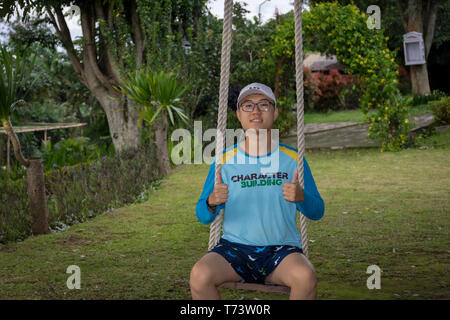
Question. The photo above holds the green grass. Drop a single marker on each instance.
(397, 217)
(353, 115)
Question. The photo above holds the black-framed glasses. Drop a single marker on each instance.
(263, 105)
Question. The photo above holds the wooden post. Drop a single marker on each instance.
(36, 197)
(8, 151)
(1, 149)
(45, 135)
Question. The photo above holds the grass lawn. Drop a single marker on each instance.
(353, 115)
(387, 209)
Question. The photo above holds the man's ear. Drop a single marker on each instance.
(238, 114)
(275, 114)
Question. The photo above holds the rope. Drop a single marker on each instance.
(300, 112)
(216, 225)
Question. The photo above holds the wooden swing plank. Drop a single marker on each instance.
(271, 288)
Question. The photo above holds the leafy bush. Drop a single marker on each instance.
(68, 152)
(441, 110)
(15, 220)
(342, 30)
(391, 124)
(329, 90)
(80, 192)
(17, 172)
(424, 99)
(286, 117)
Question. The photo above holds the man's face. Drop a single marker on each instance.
(257, 119)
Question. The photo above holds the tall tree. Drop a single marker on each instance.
(115, 41)
(420, 16)
(415, 15)
(157, 94)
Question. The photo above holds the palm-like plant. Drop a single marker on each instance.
(12, 71)
(157, 95)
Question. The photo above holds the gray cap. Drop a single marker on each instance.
(256, 88)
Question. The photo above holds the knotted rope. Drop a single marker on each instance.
(216, 225)
(300, 111)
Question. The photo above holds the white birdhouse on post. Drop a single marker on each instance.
(414, 48)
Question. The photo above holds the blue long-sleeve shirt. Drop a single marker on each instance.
(256, 212)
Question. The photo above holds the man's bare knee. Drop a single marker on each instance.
(201, 276)
(304, 277)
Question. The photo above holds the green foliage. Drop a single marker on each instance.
(331, 28)
(155, 92)
(282, 44)
(85, 190)
(46, 111)
(79, 192)
(166, 23)
(286, 117)
(68, 152)
(15, 220)
(13, 68)
(327, 91)
(148, 237)
(30, 34)
(342, 30)
(251, 40)
(424, 99)
(390, 124)
(441, 110)
(200, 69)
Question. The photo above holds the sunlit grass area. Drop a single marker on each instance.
(355, 115)
(385, 209)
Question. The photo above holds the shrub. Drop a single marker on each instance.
(424, 99)
(390, 124)
(67, 152)
(286, 117)
(80, 192)
(342, 30)
(15, 220)
(87, 189)
(441, 110)
(329, 90)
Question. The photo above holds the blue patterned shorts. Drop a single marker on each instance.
(253, 263)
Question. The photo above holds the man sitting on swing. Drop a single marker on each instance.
(260, 241)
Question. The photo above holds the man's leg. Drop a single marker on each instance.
(209, 272)
(295, 271)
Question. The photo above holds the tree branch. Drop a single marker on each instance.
(63, 34)
(89, 47)
(15, 142)
(430, 26)
(138, 34)
(110, 62)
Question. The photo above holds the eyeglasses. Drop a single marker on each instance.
(263, 105)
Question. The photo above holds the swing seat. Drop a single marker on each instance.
(266, 287)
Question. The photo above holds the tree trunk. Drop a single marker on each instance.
(161, 143)
(36, 196)
(122, 121)
(99, 69)
(419, 79)
(279, 70)
(421, 19)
